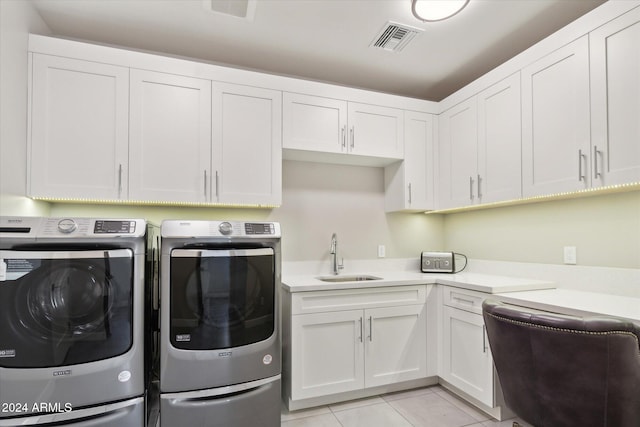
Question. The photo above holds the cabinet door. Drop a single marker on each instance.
(499, 175)
(375, 131)
(395, 344)
(79, 121)
(314, 123)
(555, 121)
(327, 354)
(615, 100)
(459, 155)
(409, 184)
(466, 358)
(247, 145)
(170, 138)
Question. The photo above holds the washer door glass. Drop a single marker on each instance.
(65, 307)
(221, 298)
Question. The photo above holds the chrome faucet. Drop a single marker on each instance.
(335, 266)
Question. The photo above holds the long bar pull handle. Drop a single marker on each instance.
(409, 193)
(581, 175)
(217, 184)
(468, 301)
(361, 331)
(479, 192)
(353, 137)
(344, 137)
(119, 180)
(484, 340)
(205, 185)
(471, 188)
(370, 328)
(596, 153)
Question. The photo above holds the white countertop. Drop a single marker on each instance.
(580, 303)
(474, 281)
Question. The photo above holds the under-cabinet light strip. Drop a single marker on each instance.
(152, 203)
(557, 196)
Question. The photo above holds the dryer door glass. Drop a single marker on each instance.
(221, 298)
(65, 307)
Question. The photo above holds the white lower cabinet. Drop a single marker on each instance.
(466, 358)
(329, 353)
(336, 345)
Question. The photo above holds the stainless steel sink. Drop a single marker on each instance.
(353, 278)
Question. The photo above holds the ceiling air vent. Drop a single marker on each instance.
(395, 37)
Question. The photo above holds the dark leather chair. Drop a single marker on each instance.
(558, 370)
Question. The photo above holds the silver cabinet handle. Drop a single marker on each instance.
(471, 188)
(353, 137)
(361, 331)
(370, 328)
(343, 136)
(205, 185)
(120, 181)
(484, 340)
(596, 153)
(581, 156)
(468, 301)
(217, 185)
(479, 193)
(409, 193)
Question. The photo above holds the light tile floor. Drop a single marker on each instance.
(424, 407)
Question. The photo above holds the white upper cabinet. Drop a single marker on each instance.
(409, 184)
(499, 142)
(375, 131)
(78, 140)
(170, 138)
(615, 101)
(316, 126)
(458, 151)
(313, 123)
(556, 129)
(480, 147)
(247, 145)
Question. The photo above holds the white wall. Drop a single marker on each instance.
(604, 229)
(17, 19)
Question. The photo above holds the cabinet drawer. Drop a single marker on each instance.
(464, 299)
(350, 299)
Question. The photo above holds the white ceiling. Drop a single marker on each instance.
(324, 40)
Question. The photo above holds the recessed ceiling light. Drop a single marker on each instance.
(436, 10)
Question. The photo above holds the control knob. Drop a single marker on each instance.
(225, 228)
(67, 226)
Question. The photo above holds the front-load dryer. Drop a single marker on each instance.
(220, 347)
(74, 299)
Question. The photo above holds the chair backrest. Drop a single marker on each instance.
(558, 370)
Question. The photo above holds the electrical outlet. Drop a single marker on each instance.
(570, 255)
(381, 251)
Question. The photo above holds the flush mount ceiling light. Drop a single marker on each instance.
(436, 10)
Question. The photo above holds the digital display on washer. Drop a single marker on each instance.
(258, 228)
(113, 227)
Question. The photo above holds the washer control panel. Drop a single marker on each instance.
(88, 227)
(437, 262)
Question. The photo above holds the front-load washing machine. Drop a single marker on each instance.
(74, 298)
(220, 356)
